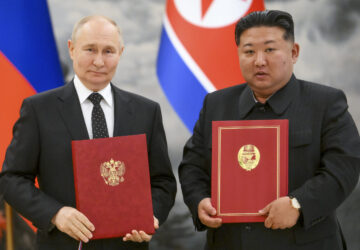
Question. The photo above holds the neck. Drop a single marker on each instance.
(261, 98)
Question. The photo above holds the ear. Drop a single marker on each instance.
(71, 48)
(121, 50)
(295, 52)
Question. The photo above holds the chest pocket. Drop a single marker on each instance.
(300, 138)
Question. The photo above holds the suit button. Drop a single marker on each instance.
(248, 228)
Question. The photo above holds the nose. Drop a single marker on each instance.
(260, 59)
(98, 60)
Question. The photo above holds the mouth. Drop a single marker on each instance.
(260, 74)
(97, 72)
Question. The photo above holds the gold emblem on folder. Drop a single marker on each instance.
(112, 172)
(248, 157)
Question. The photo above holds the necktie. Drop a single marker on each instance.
(98, 121)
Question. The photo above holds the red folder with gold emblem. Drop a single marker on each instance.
(249, 167)
(112, 184)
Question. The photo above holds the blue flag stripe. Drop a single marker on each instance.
(28, 42)
(181, 87)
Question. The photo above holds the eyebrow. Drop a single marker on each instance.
(88, 45)
(94, 45)
(270, 41)
(266, 42)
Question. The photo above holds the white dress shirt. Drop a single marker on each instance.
(107, 105)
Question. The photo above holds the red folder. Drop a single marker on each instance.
(112, 184)
(249, 167)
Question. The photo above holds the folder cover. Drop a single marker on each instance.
(112, 184)
(249, 167)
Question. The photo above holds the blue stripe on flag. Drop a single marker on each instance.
(28, 42)
(181, 87)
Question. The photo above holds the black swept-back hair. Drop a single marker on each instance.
(269, 18)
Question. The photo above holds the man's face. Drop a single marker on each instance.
(266, 59)
(95, 53)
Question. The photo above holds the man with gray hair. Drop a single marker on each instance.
(41, 144)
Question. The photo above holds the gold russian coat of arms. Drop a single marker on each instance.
(112, 172)
(248, 157)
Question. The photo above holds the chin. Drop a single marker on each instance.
(260, 85)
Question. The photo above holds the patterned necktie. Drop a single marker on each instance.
(98, 121)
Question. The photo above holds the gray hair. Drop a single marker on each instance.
(86, 19)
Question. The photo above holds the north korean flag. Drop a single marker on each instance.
(197, 52)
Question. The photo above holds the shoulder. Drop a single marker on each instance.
(320, 94)
(133, 98)
(46, 97)
(317, 88)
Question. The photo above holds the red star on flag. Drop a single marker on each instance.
(205, 4)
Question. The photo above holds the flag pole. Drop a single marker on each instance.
(9, 227)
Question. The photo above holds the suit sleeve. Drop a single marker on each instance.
(338, 173)
(163, 183)
(20, 168)
(195, 169)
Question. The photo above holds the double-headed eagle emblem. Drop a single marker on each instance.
(112, 172)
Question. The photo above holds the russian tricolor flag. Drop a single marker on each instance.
(197, 53)
(29, 62)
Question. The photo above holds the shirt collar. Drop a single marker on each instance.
(278, 101)
(282, 98)
(83, 92)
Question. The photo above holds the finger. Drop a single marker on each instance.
(206, 218)
(265, 210)
(85, 221)
(268, 222)
(205, 205)
(71, 234)
(136, 236)
(212, 222)
(82, 228)
(156, 223)
(130, 237)
(127, 237)
(216, 222)
(145, 236)
(275, 226)
(79, 235)
(209, 209)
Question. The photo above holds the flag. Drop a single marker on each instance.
(29, 61)
(197, 51)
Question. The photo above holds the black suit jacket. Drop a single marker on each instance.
(41, 147)
(324, 163)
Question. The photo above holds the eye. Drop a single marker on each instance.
(249, 52)
(109, 50)
(269, 50)
(89, 49)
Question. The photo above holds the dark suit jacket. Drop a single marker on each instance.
(41, 147)
(324, 163)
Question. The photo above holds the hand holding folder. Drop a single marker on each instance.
(106, 173)
(249, 167)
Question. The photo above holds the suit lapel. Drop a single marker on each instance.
(71, 113)
(123, 112)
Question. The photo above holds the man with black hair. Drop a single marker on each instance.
(324, 145)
